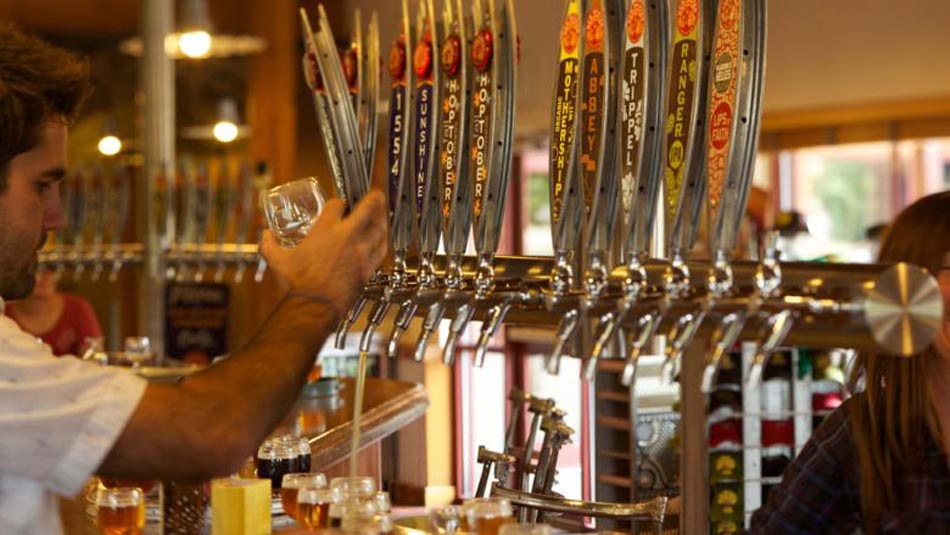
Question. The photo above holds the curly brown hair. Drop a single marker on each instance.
(38, 83)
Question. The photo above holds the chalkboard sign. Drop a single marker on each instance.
(196, 322)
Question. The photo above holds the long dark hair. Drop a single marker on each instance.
(894, 421)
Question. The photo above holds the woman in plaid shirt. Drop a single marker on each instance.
(879, 463)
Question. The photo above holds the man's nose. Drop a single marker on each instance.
(54, 217)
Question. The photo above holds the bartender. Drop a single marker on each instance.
(62, 420)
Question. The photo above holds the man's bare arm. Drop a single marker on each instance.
(210, 423)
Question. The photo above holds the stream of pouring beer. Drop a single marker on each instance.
(358, 410)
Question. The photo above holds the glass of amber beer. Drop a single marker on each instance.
(120, 511)
(313, 507)
(293, 483)
(486, 515)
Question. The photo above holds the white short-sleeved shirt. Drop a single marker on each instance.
(59, 417)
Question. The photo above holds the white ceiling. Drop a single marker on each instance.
(821, 53)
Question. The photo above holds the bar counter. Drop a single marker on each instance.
(326, 420)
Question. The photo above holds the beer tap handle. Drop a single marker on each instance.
(606, 330)
(429, 325)
(352, 315)
(723, 339)
(680, 337)
(778, 328)
(406, 311)
(375, 318)
(495, 317)
(565, 333)
(261, 269)
(462, 319)
(646, 327)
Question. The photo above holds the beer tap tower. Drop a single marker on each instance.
(653, 111)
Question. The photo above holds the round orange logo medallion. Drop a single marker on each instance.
(636, 20)
(397, 59)
(687, 15)
(595, 28)
(450, 55)
(482, 50)
(571, 33)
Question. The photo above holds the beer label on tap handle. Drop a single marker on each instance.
(482, 99)
(494, 58)
(455, 113)
(684, 127)
(733, 115)
(426, 126)
(564, 190)
(642, 113)
(602, 29)
(400, 191)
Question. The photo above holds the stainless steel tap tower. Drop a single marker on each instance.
(635, 111)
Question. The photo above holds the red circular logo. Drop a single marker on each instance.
(687, 15)
(422, 59)
(450, 55)
(595, 28)
(636, 20)
(720, 128)
(482, 50)
(351, 67)
(571, 33)
(397, 59)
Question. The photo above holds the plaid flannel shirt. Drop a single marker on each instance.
(819, 491)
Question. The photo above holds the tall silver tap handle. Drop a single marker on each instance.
(494, 90)
(598, 155)
(369, 92)
(642, 116)
(778, 327)
(399, 180)
(685, 183)
(565, 333)
(647, 326)
(456, 111)
(565, 191)
(733, 117)
(726, 335)
(462, 318)
(426, 186)
(342, 116)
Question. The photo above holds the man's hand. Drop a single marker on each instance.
(337, 257)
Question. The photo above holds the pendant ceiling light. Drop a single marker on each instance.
(196, 39)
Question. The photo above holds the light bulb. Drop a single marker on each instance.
(110, 145)
(225, 131)
(195, 44)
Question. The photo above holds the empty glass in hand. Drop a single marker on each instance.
(120, 511)
(290, 209)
